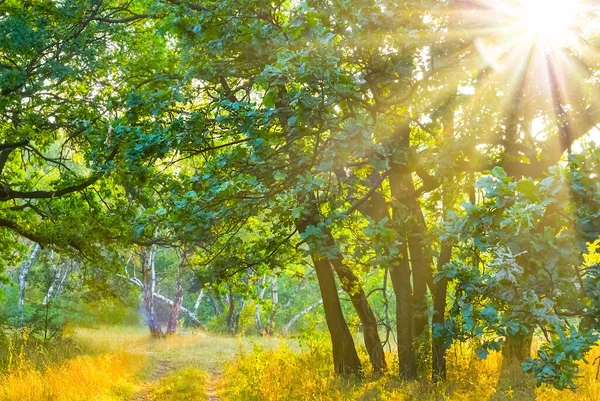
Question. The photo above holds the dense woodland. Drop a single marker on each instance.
(398, 176)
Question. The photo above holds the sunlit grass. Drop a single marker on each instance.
(103, 378)
(125, 364)
(284, 374)
(185, 384)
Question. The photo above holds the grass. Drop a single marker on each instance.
(186, 384)
(283, 374)
(124, 364)
(104, 378)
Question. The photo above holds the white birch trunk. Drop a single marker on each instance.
(261, 293)
(274, 306)
(198, 301)
(25, 266)
(288, 326)
(166, 300)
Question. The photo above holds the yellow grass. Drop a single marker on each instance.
(284, 374)
(103, 378)
(128, 365)
(186, 384)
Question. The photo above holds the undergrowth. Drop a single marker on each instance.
(283, 374)
(186, 384)
(108, 377)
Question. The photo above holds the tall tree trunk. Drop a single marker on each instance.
(408, 219)
(66, 272)
(290, 323)
(55, 279)
(237, 314)
(351, 285)
(177, 301)
(230, 319)
(438, 346)
(345, 357)
(420, 258)
(270, 330)
(198, 301)
(215, 303)
(513, 382)
(23, 272)
(166, 300)
(149, 283)
(260, 288)
(400, 275)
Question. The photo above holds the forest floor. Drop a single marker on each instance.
(125, 364)
(167, 364)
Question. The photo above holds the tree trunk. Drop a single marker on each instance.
(55, 279)
(149, 283)
(516, 349)
(176, 308)
(438, 346)
(198, 301)
(345, 357)
(24, 271)
(420, 259)
(261, 288)
(288, 326)
(513, 382)
(270, 330)
(400, 275)
(67, 272)
(237, 314)
(215, 303)
(351, 285)
(230, 309)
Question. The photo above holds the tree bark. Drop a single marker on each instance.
(56, 277)
(513, 382)
(234, 312)
(230, 311)
(351, 285)
(215, 304)
(270, 329)
(23, 272)
(345, 357)
(438, 346)
(400, 275)
(288, 326)
(176, 307)
(237, 314)
(198, 301)
(516, 349)
(409, 222)
(166, 300)
(261, 288)
(149, 283)
(420, 259)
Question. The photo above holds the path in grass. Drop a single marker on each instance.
(171, 361)
(211, 388)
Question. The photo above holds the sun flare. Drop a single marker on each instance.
(552, 21)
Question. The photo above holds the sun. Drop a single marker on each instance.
(552, 22)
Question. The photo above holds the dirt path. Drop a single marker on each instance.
(207, 353)
(160, 369)
(211, 391)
